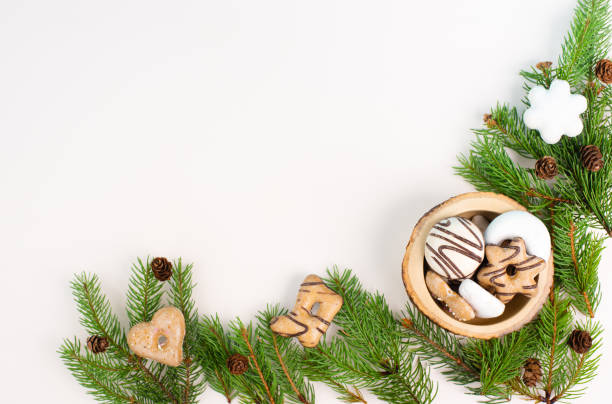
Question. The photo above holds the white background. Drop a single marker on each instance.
(260, 140)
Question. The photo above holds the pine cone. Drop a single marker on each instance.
(97, 344)
(544, 66)
(580, 341)
(162, 268)
(546, 168)
(591, 158)
(489, 121)
(532, 373)
(237, 364)
(603, 71)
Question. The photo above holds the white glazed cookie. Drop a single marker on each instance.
(457, 305)
(484, 303)
(161, 339)
(454, 248)
(518, 223)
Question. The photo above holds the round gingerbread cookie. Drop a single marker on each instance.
(454, 248)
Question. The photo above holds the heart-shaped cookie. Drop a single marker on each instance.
(161, 339)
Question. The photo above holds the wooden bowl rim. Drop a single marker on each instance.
(445, 320)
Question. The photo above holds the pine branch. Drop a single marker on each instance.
(583, 367)
(577, 257)
(102, 379)
(499, 360)
(212, 352)
(586, 42)
(345, 393)
(144, 293)
(489, 168)
(370, 351)
(246, 336)
(285, 357)
(187, 377)
(438, 347)
(97, 318)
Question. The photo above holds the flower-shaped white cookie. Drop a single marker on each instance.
(555, 112)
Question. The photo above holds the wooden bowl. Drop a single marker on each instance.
(519, 310)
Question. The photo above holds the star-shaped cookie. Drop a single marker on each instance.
(510, 270)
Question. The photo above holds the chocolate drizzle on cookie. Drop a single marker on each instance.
(511, 253)
(468, 244)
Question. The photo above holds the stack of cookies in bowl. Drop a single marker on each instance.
(479, 265)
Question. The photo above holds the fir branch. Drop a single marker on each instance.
(211, 352)
(97, 378)
(186, 377)
(552, 329)
(253, 360)
(586, 42)
(346, 395)
(499, 359)
(583, 367)
(371, 353)
(144, 293)
(97, 318)
(286, 372)
(96, 315)
(577, 254)
(149, 374)
(489, 168)
(285, 357)
(431, 348)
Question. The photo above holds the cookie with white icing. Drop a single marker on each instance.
(517, 223)
(454, 248)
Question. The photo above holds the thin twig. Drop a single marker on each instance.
(282, 363)
(533, 193)
(225, 389)
(187, 380)
(248, 343)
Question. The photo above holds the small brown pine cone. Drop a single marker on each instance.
(603, 71)
(97, 344)
(544, 66)
(546, 168)
(237, 364)
(489, 121)
(591, 157)
(532, 373)
(162, 268)
(580, 341)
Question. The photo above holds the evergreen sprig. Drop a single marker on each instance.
(369, 351)
(117, 375)
(275, 373)
(577, 253)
